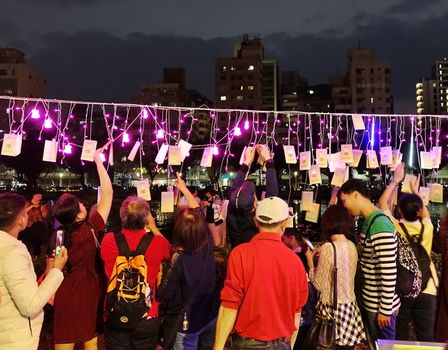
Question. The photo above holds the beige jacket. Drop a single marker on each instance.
(22, 300)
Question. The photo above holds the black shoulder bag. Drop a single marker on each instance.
(322, 334)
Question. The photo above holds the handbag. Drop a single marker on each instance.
(322, 333)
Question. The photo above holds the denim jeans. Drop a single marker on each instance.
(422, 312)
(202, 339)
(380, 333)
(242, 343)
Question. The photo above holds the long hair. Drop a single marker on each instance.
(336, 220)
(190, 230)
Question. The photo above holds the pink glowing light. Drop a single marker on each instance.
(125, 138)
(160, 134)
(48, 124)
(102, 157)
(237, 131)
(145, 114)
(215, 150)
(246, 125)
(68, 149)
(35, 114)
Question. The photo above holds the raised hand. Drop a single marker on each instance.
(100, 150)
(399, 173)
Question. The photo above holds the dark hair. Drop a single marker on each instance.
(134, 213)
(292, 232)
(410, 205)
(66, 209)
(11, 204)
(353, 185)
(336, 220)
(190, 230)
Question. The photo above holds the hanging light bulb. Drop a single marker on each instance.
(246, 125)
(68, 149)
(102, 157)
(160, 134)
(125, 137)
(48, 124)
(35, 114)
(237, 131)
(215, 150)
(145, 114)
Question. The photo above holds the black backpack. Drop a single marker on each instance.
(412, 280)
(129, 296)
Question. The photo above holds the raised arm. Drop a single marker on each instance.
(271, 173)
(240, 176)
(383, 202)
(105, 202)
(415, 187)
(180, 184)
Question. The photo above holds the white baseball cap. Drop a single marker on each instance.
(272, 210)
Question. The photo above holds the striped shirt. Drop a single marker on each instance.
(379, 266)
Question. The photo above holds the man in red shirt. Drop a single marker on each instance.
(135, 214)
(265, 287)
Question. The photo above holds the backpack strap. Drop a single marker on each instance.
(372, 221)
(420, 236)
(122, 244)
(406, 232)
(143, 245)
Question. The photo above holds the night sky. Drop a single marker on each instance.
(108, 49)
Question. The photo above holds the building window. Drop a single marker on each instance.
(223, 69)
(242, 87)
(239, 98)
(3, 72)
(372, 100)
(223, 98)
(251, 67)
(251, 88)
(232, 68)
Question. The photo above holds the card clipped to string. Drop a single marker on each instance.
(174, 155)
(161, 155)
(12, 145)
(88, 150)
(290, 154)
(424, 193)
(167, 202)
(358, 122)
(339, 177)
(184, 149)
(322, 157)
(207, 157)
(347, 153)
(372, 160)
(305, 160)
(386, 155)
(312, 215)
(436, 155)
(50, 151)
(307, 200)
(246, 149)
(357, 154)
(436, 193)
(135, 149)
(315, 175)
(425, 160)
(143, 189)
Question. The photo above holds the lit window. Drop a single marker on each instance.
(251, 88)
(251, 67)
(232, 68)
(239, 98)
(311, 92)
(441, 104)
(242, 87)
(223, 68)
(223, 98)
(372, 100)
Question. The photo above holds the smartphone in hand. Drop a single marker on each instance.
(59, 241)
(309, 244)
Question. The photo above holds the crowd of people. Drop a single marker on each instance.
(142, 291)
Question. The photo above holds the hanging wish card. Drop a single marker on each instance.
(161, 155)
(436, 193)
(372, 160)
(290, 221)
(305, 160)
(347, 153)
(12, 145)
(406, 186)
(246, 149)
(314, 175)
(50, 151)
(307, 200)
(386, 155)
(167, 202)
(290, 154)
(436, 155)
(339, 177)
(358, 122)
(425, 160)
(263, 154)
(88, 150)
(134, 150)
(312, 215)
(174, 155)
(207, 157)
(322, 157)
(357, 154)
(334, 161)
(424, 193)
(184, 149)
(143, 189)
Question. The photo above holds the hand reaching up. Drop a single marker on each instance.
(249, 156)
(100, 150)
(263, 152)
(399, 173)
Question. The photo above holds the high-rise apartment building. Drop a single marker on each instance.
(17, 78)
(246, 80)
(432, 93)
(369, 82)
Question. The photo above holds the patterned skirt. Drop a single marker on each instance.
(349, 325)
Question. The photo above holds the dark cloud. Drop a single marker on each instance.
(406, 7)
(98, 66)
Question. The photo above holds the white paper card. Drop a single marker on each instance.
(134, 150)
(88, 150)
(406, 187)
(143, 189)
(357, 154)
(264, 150)
(334, 161)
(424, 193)
(307, 200)
(174, 155)
(425, 160)
(436, 193)
(339, 177)
(358, 122)
(290, 154)
(184, 149)
(305, 160)
(246, 149)
(372, 160)
(314, 175)
(347, 153)
(436, 155)
(313, 214)
(386, 155)
(12, 145)
(50, 151)
(290, 221)
(396, 159)
(207, 157)
(161, 155)
(321, 157)
(167, 202)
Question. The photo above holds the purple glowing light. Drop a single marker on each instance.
(68, 149)
(237, 131)
(246, 125)
(35, 114)
(215, 150)
(160, 134)
(125, 138)
(145, 114)
(48, 124)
